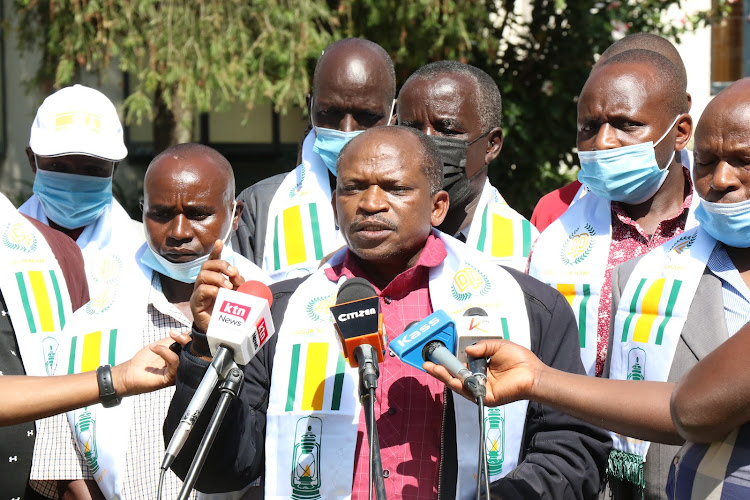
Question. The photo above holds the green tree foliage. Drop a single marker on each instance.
(183, 57)
(188, 57)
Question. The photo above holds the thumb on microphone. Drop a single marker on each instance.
(512, 372)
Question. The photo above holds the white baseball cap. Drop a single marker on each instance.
(78, 120)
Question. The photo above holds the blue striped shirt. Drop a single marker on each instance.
(734, 292)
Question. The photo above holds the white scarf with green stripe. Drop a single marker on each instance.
(648, 323)
(301, 227)
(107, 330)
(572, 254)
(314, 408)
(500, 232)
(34, 289)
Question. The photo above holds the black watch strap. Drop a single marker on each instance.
(107, 395)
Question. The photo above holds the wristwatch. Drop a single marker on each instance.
(107, 395)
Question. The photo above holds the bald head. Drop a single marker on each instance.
(727, 115)
(664, 74)
(360, 57)
(484, 94)
(196, 160)
(648, 41)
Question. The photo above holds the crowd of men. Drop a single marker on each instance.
(617, 369)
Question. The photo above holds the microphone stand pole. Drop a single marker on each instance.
(367, 359)
(231, 378)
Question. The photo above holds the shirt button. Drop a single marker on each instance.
(391, 411)
(386, 473)
(387, 300)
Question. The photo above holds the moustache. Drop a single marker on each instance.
(370, 222)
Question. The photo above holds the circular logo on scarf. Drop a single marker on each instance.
(105, 269)
(319, 307)
(467, 281)
(17, 237)
(681, 244)
(578, 246)
(100, 302)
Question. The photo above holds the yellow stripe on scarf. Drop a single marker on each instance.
(649, 312)
(502, 236)
(41, 297)
(92, 344)
(294, 240)
(315, 376)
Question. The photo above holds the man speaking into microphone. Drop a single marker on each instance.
(299, 422)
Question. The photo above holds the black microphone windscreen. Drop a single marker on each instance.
(475, 311)
(355, 289)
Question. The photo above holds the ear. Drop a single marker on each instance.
(308, 102)
(237, 214)
(30, 156)
(114, 167)
(440, 205)
(494, 144)
(140, 204)
(684, 131)
(690, 101)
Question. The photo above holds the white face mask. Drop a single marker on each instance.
(187, 272)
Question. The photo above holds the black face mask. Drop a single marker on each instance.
(455, 181)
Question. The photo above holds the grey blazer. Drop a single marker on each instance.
(705, 329)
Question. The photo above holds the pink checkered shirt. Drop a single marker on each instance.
(629, 241)
(409, 403)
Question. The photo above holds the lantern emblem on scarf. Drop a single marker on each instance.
(306, 461)
(49, 348)
(494, 431)
(578, 246)
(86, 436)
(637, 364)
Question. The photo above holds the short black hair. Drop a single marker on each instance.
(358, 44)
(432, 160)
(488, 99)
(193, 149)
(648, 41)
(667, 75)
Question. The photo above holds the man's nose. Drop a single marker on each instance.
(373, 200)
(180, 229)
(724, 178)
(348, 123)
(606, 138)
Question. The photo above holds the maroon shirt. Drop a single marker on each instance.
(409, 402)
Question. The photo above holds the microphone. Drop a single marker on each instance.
(240, 325)
(472, 327)
(357, 318)
(433, 339)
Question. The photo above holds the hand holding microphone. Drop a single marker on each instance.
(512, 372)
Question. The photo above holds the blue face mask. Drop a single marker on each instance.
(727, 222)
(187, 272)
(329, 142)
(72, 200)
(629, 174)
